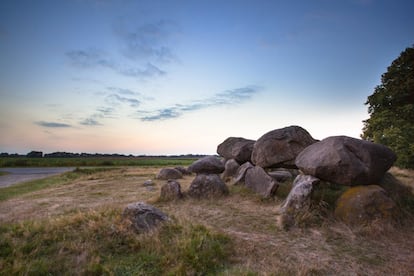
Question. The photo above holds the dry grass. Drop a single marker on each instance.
(404, 175)
(260, 246)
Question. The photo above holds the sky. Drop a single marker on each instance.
(178, 77)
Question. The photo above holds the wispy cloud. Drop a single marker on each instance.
(122, 91)
(115, 99)
(52, 124)
(148, 41)
(228, 97)
(94, 58)
(149, 70)
(89, 58)
(90, 122)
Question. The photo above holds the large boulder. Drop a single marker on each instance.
(207, 165)
(298, 200)
(171, 191)
(169, 173)
(230, 169)
(260, 182)
(362, 205)
(143, 217)
(345, 160)
(279, 147)
(207, 186)
(236, 148)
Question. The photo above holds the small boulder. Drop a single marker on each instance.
(143, 217)
(171, 191)
(362, 205)
(260, 182)
(236, 148)
(230, 169)
(169, 173)
(345, 160)
(148, 183)
(183, 170)
(279, 148)
(241, 173)
(298, 199)
(207, 165)
(207, 186)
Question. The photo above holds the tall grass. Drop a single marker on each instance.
(101, 243)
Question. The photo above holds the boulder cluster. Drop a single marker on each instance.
(282, 153)
(291, 153)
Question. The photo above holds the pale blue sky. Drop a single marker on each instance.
(173, 77)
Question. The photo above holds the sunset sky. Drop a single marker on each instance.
(177, 77)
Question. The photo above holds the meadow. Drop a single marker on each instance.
(94, 161)
(71, 224)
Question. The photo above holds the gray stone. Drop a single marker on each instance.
(345, 160)
(237, 148)
(171, 191)
(241, 173)
(279, 148)
(230, 169)
(281, 175)
(143, 217)
(148, 182)
(298, 199)
(169, 173)
(207, 186)
(207, 165)
(260, 182)
(183, 170)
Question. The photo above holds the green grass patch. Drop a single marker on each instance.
(94, 161)
(3, 173)
(101, 243)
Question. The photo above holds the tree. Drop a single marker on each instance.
(391, 110)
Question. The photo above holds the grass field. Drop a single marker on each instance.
(94, 161)
(72, 224)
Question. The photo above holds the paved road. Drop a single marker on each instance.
(17, 175)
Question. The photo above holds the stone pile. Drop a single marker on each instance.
(276, 156)
(279, 156)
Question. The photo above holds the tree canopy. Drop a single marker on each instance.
(391, 110)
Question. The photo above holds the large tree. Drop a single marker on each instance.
(391, 110)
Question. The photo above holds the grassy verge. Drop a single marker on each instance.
(3, 173)
(101, 243)
(92, 161)
(35, 185)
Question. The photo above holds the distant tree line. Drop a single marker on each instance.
(62, 154)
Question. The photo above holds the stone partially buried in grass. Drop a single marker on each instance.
(207, 186)
(171, 191)
(260, 182)
(362, 205)
(143, 217)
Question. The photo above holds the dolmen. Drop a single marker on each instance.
(263, 164)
